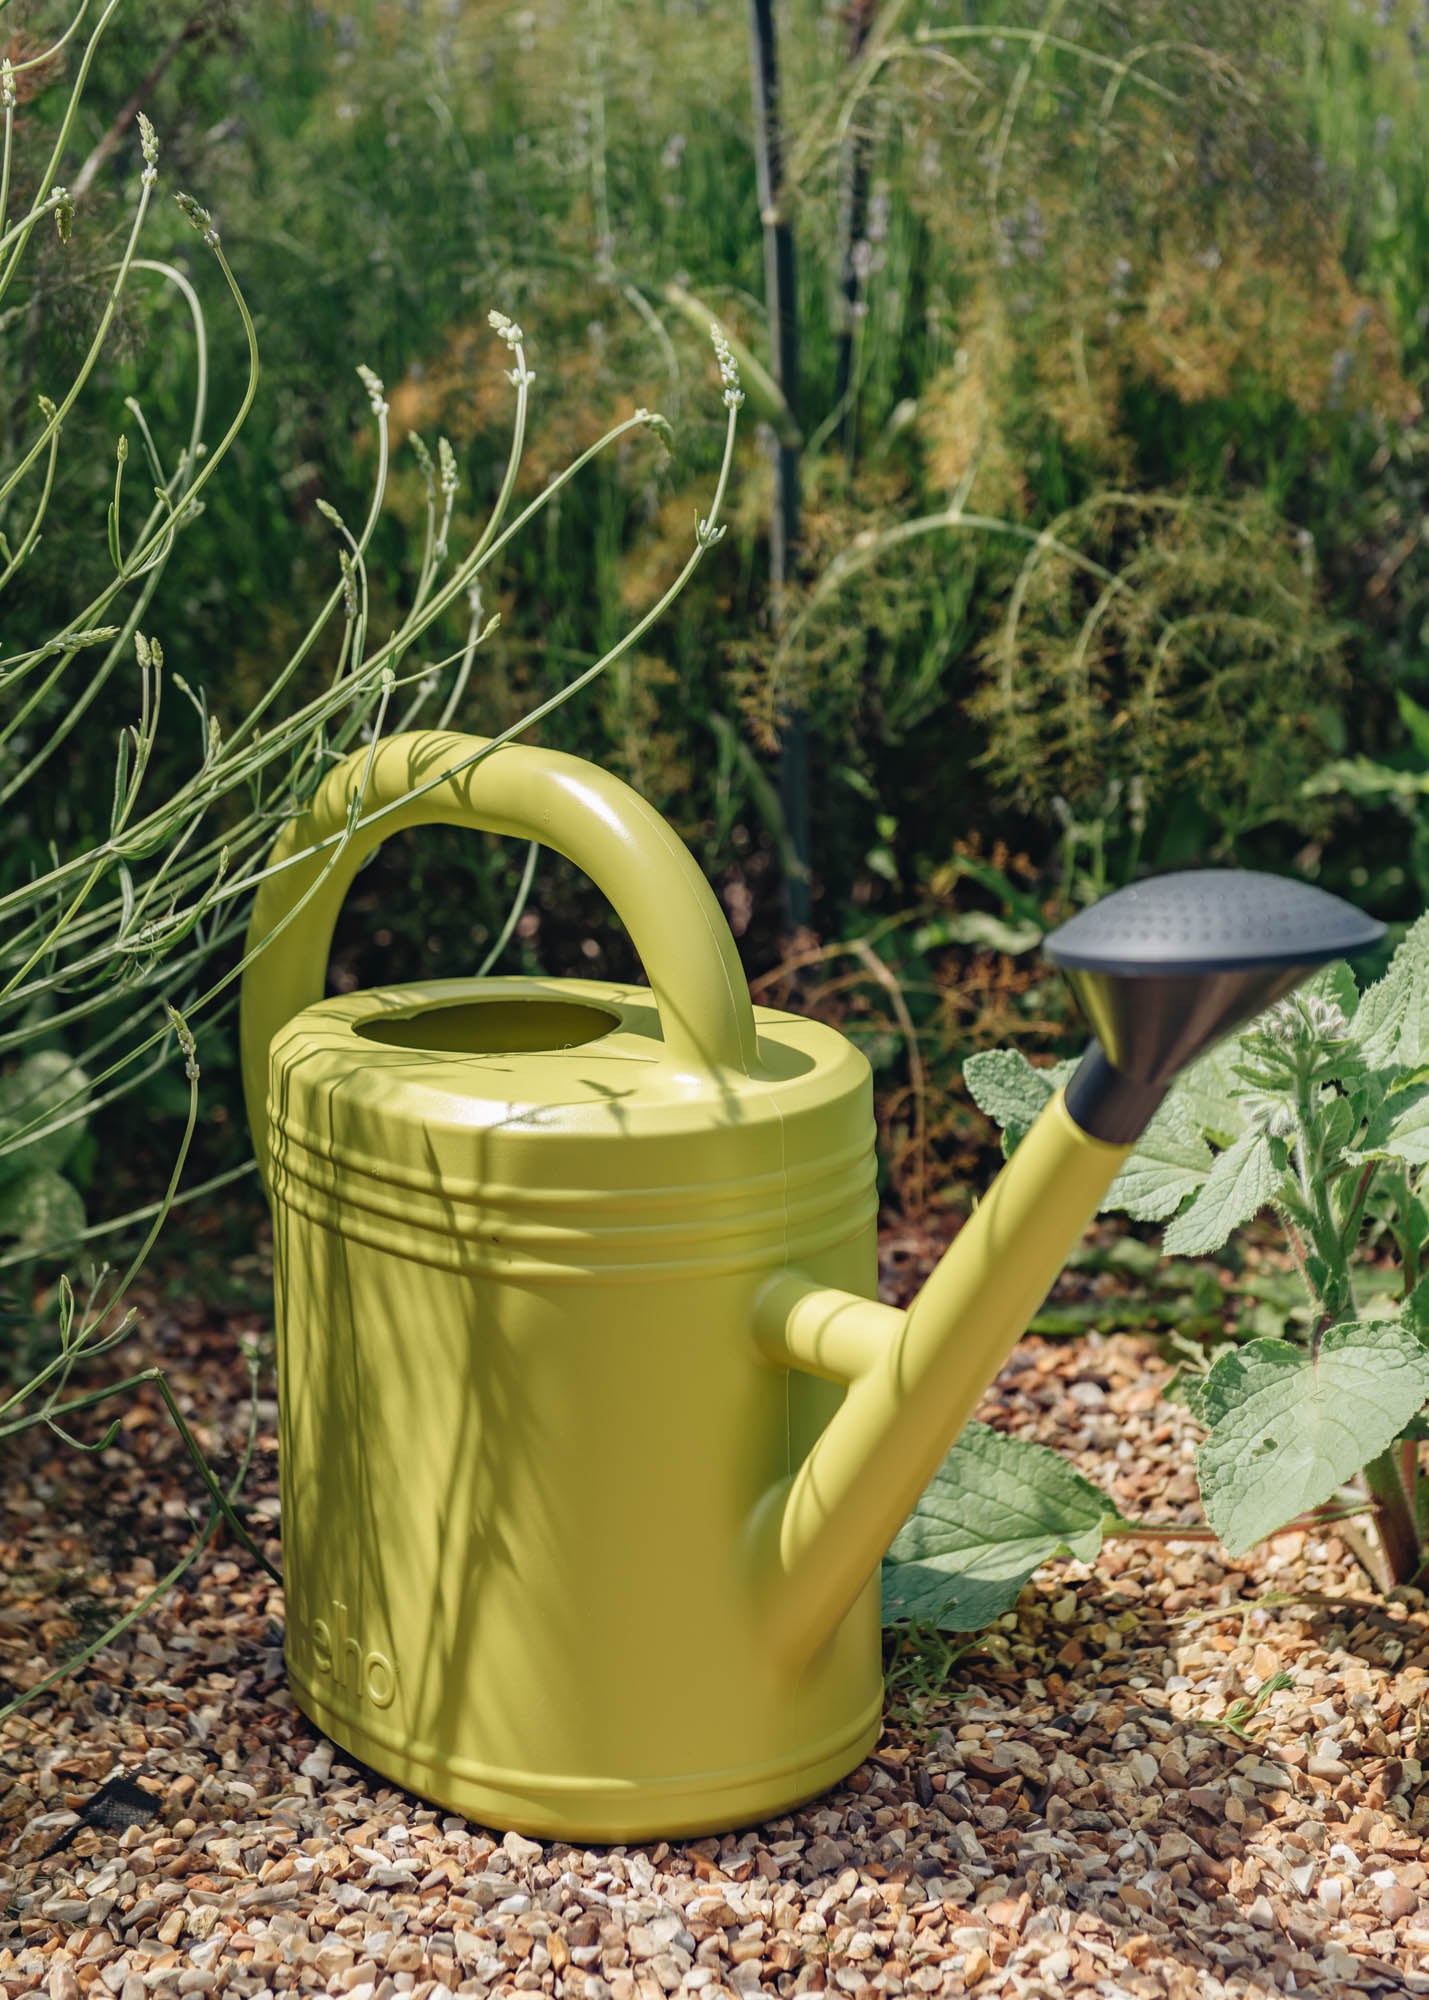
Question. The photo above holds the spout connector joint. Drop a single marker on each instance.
(1106, 1103)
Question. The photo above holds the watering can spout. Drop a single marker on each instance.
(1161, 970)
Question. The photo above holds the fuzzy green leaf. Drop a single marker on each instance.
(1391, 1027)
(1240, 1183)
(46, 1084)
(40, 1211)
(1212, 1095)
(1396, 1126)
(997, 1508)
(1408, 1135)
(1004, 1084)
(1171, 1161)
(1288, 1428)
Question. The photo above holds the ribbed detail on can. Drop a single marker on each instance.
(582, 1234)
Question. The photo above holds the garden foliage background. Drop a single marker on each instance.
(1111, 344)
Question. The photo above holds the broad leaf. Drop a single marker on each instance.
(997, 1508)
(1408, 1135)
(1391, 1027)
(46, 1085)
(1240, 1183)
(1396, 1126)
(1288, 1428)
(41, 1211)
(1170, 1162)
(1004, 1084)
(1212, 1095)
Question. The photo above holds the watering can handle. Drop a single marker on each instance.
(597, 822)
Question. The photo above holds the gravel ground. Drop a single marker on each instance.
(1058, 1812)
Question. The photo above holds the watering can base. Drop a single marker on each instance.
(548, 1806)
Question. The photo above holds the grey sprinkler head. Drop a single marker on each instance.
(1166, 967)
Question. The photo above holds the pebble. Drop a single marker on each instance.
(1064, 1815)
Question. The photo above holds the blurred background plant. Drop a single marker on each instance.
(1110, 354)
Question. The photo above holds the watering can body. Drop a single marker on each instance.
(592, 1431)
(524, 1428)
(521, 1229)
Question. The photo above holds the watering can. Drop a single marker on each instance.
(592, 1430)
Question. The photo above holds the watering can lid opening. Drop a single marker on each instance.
(1210, 920)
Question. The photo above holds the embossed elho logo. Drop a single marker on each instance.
(338, 1653)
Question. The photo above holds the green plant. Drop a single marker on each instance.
(1032, 271)
(1397, 782)
(115, 938)
(1317, 1113)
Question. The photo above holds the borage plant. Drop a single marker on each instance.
(1317, 1114)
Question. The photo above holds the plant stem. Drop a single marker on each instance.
(1394, 1517)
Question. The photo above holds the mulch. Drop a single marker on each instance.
(1063, 1810)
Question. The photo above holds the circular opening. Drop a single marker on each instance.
(493, 1027)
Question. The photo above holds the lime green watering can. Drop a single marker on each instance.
(592, 1431)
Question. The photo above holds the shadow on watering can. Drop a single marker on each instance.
(592, 1431)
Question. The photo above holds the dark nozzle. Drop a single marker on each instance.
(1165, 968)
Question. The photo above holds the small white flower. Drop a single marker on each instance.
(1327, 1019)
(7, 84)
(507, 328)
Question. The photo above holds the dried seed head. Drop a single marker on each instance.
(96, 635)
(184, 1035)
(149, 144)
(376, 394)
(423, 458)
(199, 216)
(653, 421)
(728, 367)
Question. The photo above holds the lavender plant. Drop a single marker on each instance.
(1317, 1117)
(110, 950)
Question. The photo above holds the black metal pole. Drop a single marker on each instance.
(782, 303)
